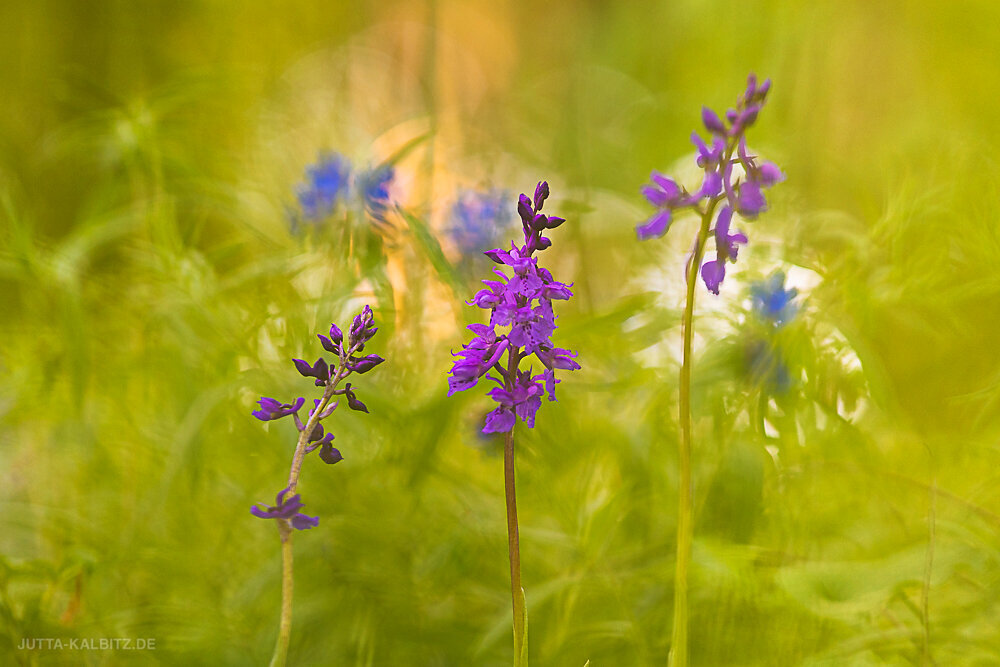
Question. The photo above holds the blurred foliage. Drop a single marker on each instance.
(152, 288)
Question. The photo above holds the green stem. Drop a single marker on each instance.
(513, 541)
(285, 624)
(514, 552)
(284, 527)
(678, 643)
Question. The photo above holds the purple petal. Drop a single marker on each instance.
(712, 185)
(541, 194)
(668, 184)
(365, 364)
(303, 367)
(527, 409)
(654, 195)
(500, 420)
(330, 454)
(499, 256)
(762, 90)
(303, 522)
(712, 121)
(524, 209)
(654, 227)
(328, 344)
(712, 272)
(722, 225)
(750, 200)
(479, 329)
(261, 514)
(768, 174)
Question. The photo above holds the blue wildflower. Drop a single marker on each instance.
(477, 220)
(773, 305)
(772, 302)
(372, 187)
(326, 183)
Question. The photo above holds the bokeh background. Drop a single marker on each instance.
(157, 277)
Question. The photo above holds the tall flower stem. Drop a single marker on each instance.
(678, 643)
(284, 527)
(513, 541)
(514, 550)
(287, 581)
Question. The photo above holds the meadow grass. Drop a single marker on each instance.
(152, 290)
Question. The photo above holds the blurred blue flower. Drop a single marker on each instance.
(327, 181)
(372, 186)
(478, 220)
(772, 302)
(772, 305)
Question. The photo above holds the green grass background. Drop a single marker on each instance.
(151, 290)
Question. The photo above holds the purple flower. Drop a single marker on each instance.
(744, 196)
(523, 400)
(332, 344)
(713, 272)
(724, 241)
(476, 358)
(361, 328)
(329, 376)
(330, 454)
(364, 364)
(288, 509)
(352, 401)
(558, 358)
(271, 409)
(712, 121)
(521, 300)
(320, 370)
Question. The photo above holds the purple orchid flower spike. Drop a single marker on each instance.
(738, 192)
(313, 436)
(744, 192)
(523, 302)
(520, 302)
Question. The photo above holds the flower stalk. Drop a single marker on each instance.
(514, 553)
(740, 193)
(312, 437)
(522, 302)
